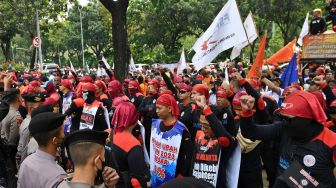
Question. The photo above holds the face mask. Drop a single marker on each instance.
(85, 95)
(299, 129)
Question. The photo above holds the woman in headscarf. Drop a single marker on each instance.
(101, 92)
(135, 95)
(115, 89)
(307, 148)
(127, 150)
(170, 143)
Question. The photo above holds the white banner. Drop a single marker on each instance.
(182, 64)
(226, 31)
(171, 67)
(132, 67)
(252, 34)
(305, 30)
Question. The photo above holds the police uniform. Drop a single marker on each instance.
(10, 125)
(40, 169)
(78, 137)
(24, 132)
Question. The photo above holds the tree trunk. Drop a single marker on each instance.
(121, 52)
(6, 47)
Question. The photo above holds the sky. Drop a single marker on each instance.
(83, 2)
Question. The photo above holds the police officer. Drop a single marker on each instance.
(40, 170)
(32, 101)
(91, 162)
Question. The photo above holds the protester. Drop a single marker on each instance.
(170, 143)
(127, 150)
(302, 138)
(147, 109)
(215, 137)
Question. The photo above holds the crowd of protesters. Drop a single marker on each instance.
(158, 128)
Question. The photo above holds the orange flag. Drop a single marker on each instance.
(255, 71)
(283, 55)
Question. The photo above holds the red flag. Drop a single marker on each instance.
(255, 71)
(283, 55)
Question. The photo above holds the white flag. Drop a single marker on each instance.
(252, 34)
(304, 31)
(182, 64)
(226, 31)
(71, 67)
(105, 62)
(132, 67)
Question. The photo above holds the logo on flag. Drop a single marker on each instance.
(226, 31)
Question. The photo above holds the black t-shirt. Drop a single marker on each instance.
(317, 25)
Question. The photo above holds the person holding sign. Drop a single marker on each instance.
(209, 160)
(170, 143)
(307, 148)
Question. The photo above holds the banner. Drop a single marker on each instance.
(226, 31)
(171, 67)
(132, 67)
(182, 64)
(322, 46)
(305, 30)
(252, 34)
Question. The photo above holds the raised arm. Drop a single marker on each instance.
(252, 131)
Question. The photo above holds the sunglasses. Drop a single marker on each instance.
(182, 91)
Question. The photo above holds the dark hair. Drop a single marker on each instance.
(43, 138)
(79, 157)
(140, 79)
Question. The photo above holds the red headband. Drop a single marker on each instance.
(88, 87)
(202, 89)
(305, 105)
(236, 98)
(124, 116)
(67, 83)
(101, 84)
(185, 87)
(169, 100)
